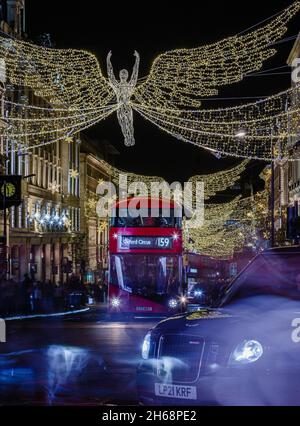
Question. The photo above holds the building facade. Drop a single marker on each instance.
(55, 232)
(281, 200)
(44, 231)
(293, 180)
(94, 170)
(287, 180)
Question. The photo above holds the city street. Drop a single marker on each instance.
(83, 359)
(149, 205)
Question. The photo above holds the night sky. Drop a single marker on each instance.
(151, 28)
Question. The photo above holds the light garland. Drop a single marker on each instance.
(230, 227)
(77, 95)
(220, 181)
(178, 77)
(264, 130)
(213, 182)
(35, 128)
(62, 76)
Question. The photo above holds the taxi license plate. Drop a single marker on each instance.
(175, 391)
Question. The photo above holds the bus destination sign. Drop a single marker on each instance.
(145, 243)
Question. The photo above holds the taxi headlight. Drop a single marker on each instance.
(246, 353)
(146, 346)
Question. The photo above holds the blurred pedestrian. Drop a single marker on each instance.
(11, 293)
(100, 290)
(38, 296)
(105, 292)
(58, 296)
(26, 291)
(48, 295)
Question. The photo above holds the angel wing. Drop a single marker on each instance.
(73, 93)
(66, 77)
(178, 77)
(220, 181)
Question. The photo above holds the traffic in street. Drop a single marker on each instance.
(149, 208)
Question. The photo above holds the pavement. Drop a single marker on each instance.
(84, 358)
(49, 315)
(100, 307)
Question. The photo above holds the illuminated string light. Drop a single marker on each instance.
(178, 77)
(230, 227)
(78, 95)
(220, 181)
(213, 182)
(269, 126)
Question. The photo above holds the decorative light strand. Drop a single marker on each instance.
(71, 83)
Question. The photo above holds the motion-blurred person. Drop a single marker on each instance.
(25, 293)
(38, 295)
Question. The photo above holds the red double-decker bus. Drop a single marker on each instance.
(146, 272)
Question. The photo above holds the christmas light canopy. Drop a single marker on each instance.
(74, 94)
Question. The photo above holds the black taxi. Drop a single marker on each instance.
(244, 350)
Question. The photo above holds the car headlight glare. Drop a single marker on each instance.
(146, 346)
(115, 302)
(173, 303)
(246, 353)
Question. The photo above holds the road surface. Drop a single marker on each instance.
(83, 359)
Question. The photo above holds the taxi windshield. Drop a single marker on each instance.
(268, 274)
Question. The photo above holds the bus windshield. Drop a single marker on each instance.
(148, 218)
(149, 276)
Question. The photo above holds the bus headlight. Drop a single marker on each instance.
(146, 346)
(173, 303)
(198, 293)
(115, 303)
(246, 353)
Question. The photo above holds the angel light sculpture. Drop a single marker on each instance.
(124, 90)
(76, 95)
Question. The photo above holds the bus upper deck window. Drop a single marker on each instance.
(149, 221)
